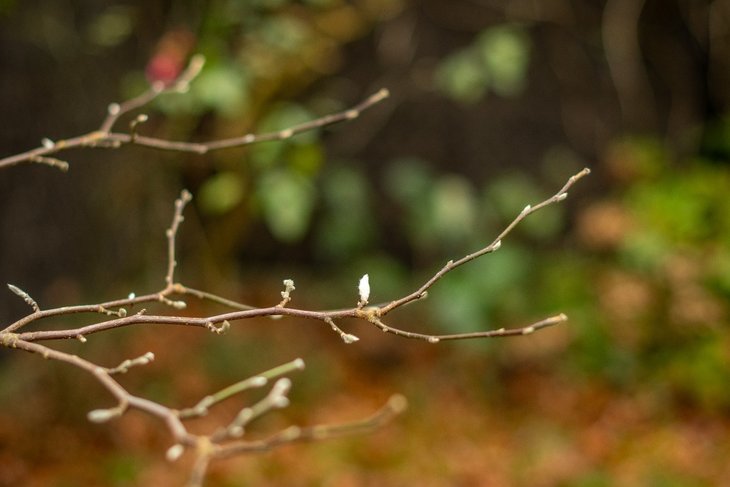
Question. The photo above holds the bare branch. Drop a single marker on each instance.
(502, 332)
(171, 233)
(492, 247)
(259, 380)
(372, 314)
(105, 137)
(116, 110)
(395, 405)
(124, 367)
(226, 440)
(277, 398)
(346, 337)
(181, 289)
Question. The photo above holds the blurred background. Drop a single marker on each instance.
(494, 105)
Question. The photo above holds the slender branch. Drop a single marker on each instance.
(225, 441)
(217, 445)
(124, 367)
(103, 375)
(260, 380)
(495, 245)
(107, 308)
(502, 332)
(105, 137)
(395, 405)
(171, 233)
(200, 469)
(214, 298)
(116, 110)
(372, 314)
(277, 398)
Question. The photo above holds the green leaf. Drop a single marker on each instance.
(220, 193)
(223, 88)
(454, 209)
(347, 224)
(111, 27)
(505, 52)
(287, 200)
(306, 158)
(285, 33)
(462, 76)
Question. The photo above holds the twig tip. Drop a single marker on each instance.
(398, 403)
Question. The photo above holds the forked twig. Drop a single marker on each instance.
(225, 441)
(104, 136)
(372, 314)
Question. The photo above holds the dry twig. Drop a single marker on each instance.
(105, 136)
(227, 440)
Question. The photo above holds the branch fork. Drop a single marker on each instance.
(228, 440)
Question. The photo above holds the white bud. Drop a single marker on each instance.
(527, 209)
(288, 288)
(102, 415)
(497, 245)
(113, 108)
(48, 143)
(348, 338)
(147, 358)
(363, 288)
(562, 196)
(174, 452)
(281, 386)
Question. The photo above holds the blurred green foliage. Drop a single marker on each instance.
(497, 60)
(347, 226)
(287, 199)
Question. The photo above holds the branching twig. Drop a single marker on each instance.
(106, 137)
(372, 314)
(177, 219)
(260, 380)
(226, 441)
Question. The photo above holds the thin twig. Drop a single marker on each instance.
(171, 233)
(372, 314)
(395, 405)
(224, 442)
(501, 332)
(116, 110)
(495, 245)
(260, 380)
(105, 137)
